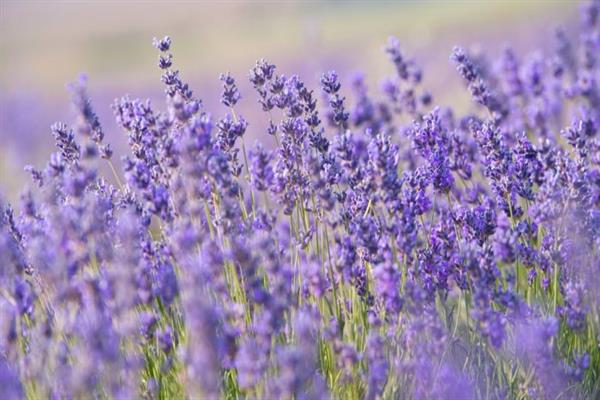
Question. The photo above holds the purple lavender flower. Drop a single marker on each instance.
(476, 83)
(387, 284)
(231, 94)
(163, 44)
(88, 123)
(260, 168)
(331, 85)
(65, 141)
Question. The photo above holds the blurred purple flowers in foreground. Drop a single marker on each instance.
(351, 254)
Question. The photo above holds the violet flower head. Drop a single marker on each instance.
(65, 141)
(230, 95)
(230, 129)
(476, 84)
(261, 168)
(396, 56)
(387, 283)
(163, 44)
(88, 123)
(331, 85)
(261, 73)
(509, 65)
(464, 65)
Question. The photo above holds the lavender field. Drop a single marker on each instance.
(434, 234)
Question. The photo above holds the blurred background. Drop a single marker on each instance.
(45, 44)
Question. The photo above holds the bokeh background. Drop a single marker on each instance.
(46, 44)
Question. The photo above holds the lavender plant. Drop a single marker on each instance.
(347, 255)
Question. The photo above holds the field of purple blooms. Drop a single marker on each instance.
(367, 247)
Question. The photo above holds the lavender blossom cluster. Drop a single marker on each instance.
(351, 255)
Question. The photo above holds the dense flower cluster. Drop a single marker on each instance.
(350, 255)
